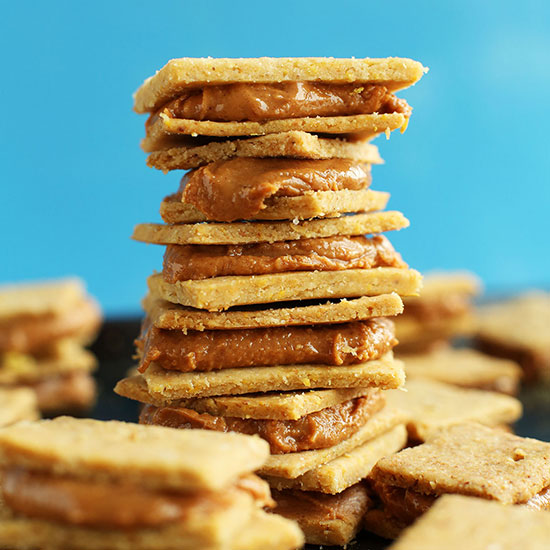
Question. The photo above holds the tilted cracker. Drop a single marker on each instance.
(151, 456)
(276, 406)
(342, 472)
(474, 460)
(363, 126)
(335, 522)
(484, 524)
(466, 368)
(186, 152)
(21, 368)
(17, 404)
(204, 528)
(220, 293)
(181, 74)
(385, 373)
(292, 465)
(320, 204)
(48, 297)
(166, 315)
(268, 231)
(437, 285)
(432, 405)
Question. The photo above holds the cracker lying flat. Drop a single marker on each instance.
(21, 368)
(325, 519)
(432, 405)
(485, 525)
(320, 204)
(256, 232)
(473, 460)
(276, 406)
(40, 298)
(185, 152)
(465, 367)
(384, 373)
(148, 455)
(184, 73)
(292, 465)
(365, 126)
(220, 293)
(17, 404)
(170, 316)
(342, 472)
(203, 528)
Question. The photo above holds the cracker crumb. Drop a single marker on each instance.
(519, 454)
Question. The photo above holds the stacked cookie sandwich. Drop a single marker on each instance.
(43, 330)
(70, 483)
(432, 321)
(270, 315)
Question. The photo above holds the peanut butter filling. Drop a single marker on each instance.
(111, 505)
(34, 334)
(317, 430)
(184, 262)
(261, 102)
(343, 344)
(239, 188)
(65, 392)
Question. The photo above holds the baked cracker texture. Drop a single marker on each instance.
(258, 232)
(319, 204)
(455, 519)
(346, 470)
(385, 373)
(325, 519)
(166, 315)
(274, 406)
(91, 449)
(433, 406)
(292, 465)
(181, 74)
(474, 460)
(221, 293)
(184, 152)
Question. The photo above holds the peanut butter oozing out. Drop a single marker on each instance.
(112, 505)
(317, 430)
(261, 102)
(239, 188)
(343, 344)
(184, 262)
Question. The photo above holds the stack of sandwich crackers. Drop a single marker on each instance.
(271, 315)
(43, 330)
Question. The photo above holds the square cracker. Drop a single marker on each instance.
(464, 367)
(186, 73)
(166, 315)
(325, 519)
(474, 460)
(485, 525)
(184, 152)
(269, 231)
(342, 472)
(275, 406)
(152, 456)
(320, 204)
(432, 405)
(221, 293)
(292, 465)
(203, 527)
(368, 126)
(384, 373)
(17, 404)
(40, 298)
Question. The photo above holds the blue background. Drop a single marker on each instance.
(471, 172)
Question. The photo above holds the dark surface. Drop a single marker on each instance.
(114, 349)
